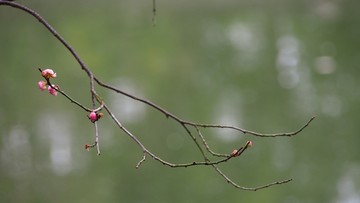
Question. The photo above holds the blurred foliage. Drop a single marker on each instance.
(264, 66)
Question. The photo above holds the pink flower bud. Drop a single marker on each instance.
(249, 143)
(42, 85)
(93, 117)
(48, 73)
(52, 91)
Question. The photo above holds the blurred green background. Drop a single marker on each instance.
(266, 66)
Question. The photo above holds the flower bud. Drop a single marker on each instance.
(87, 147)
(52, 91)
(234, 153)
(93, 117)
(48, 73)
(42, 85)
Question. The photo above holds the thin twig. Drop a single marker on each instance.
(97, 137)
(154, 13)
(141, 161)
(207, 146)
(64, 94)
(248, 188)
(289, 134)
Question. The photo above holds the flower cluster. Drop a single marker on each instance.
(43, 85)
(94, 115)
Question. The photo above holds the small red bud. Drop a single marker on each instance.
(234, 153)
(87, 147)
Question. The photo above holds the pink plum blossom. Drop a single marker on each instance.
(52, 90)
(48, 73)
(42, 85)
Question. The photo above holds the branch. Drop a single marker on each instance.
(188, 126)
(185, 122)
(288, 134)
(249, 188)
